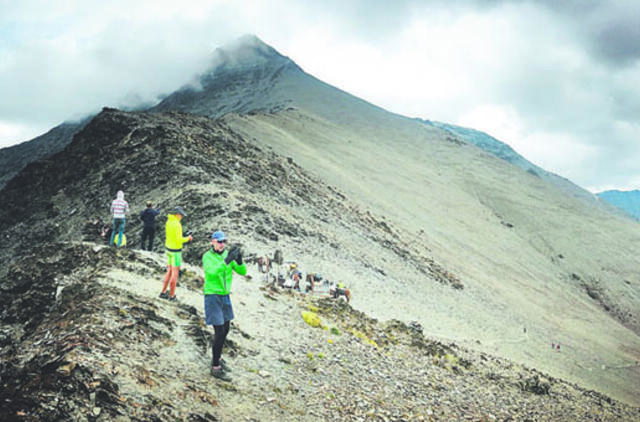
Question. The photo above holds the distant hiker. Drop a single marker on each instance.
(290, 267)
(296, 280)
(295, 275)
(105, 229)
(219, 266)
(148, 216)
(119, 210)
(308, 288)
(277, 257)
(264, 264)
(288, 283)
(340, 290)
(312, 279)
(173, 245)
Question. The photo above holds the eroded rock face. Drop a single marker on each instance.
(80, 339)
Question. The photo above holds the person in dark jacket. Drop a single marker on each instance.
(148, 216)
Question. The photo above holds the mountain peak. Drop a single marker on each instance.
(246, 51)
(238, 79)
(247, 41)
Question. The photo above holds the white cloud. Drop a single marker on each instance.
(12, 133)
(534, 74)
(501, 122)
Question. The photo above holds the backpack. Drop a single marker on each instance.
(124, 239)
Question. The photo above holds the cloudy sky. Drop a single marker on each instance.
(559, 81)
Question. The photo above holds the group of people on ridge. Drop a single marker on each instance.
(218, 263)
(120, 210)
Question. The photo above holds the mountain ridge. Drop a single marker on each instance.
(85, 337)
(407, 211)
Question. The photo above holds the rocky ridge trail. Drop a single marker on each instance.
(101, 346)
(203, 165)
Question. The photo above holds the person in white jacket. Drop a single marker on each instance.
(119, 209)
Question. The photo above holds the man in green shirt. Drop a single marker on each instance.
(219, 266)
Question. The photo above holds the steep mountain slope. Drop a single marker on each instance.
(84, 336)
(407, 214)
(529, 256)
(550, 259)
(505, 152)
(627, 201)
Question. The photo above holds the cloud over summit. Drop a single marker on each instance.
(558, 81)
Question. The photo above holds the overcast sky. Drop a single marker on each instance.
(559, 81)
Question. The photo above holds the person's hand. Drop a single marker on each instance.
(235, 254)
(239, 257)
(190, 238)
(231, 255)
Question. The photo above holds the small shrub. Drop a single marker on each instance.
(312, 319)
(362, 336)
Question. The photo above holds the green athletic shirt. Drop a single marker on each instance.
(217, 274)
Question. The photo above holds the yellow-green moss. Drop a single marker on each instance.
(362, 336)
(312, 319)
(448, 361)
(452, 359)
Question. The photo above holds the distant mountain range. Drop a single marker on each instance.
(628, 201)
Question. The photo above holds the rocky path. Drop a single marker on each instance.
(110, 349)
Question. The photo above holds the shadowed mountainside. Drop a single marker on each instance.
(15, 158)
